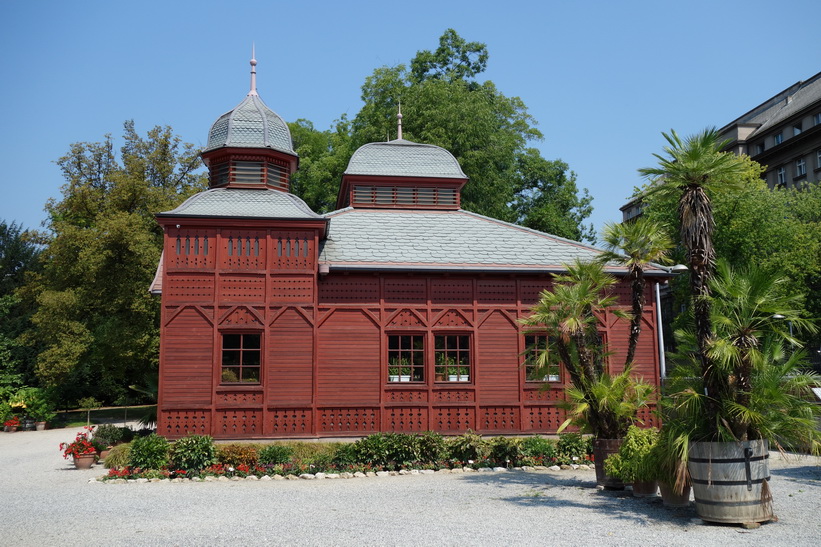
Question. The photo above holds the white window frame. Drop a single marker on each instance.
(817, 118)
(800, 167)
(781, 176)
(818, 159)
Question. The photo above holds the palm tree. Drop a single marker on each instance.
(635, 245)
(692, 168)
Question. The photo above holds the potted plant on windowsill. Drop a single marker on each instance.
(458, 374)
(399, 370)
(755, 393)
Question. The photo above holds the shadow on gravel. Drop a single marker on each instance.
(804, 472)
(549, 490)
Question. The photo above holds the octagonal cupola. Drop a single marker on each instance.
(250, 146)
(401, 174)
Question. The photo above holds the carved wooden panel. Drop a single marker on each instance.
(288, 421)
(241, 317)
(452, 396)
(647, 416)
(349, 289)
(406, 318)
(453, 319)
(348, 420)
(406, 420)
(553, 394)
(292, 289)
(496, 292)
(454, 419)
(530, 291)
(405, 290)
(499, 418)
(189, 287)
(238, 423)
(239, 398)
(542, 418)
(397, 396)
(179, 423)
(242, 288)
(187, 248)
(243, 249)
(293, 250)
(451, 291)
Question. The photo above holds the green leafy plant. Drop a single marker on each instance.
(573, 448)
(468, 446)
(275, 454)
(633, 461)
(504, 451)
(193, 452)
(432, 447)
(388, 449)
(108, 434)
(149, 452)
(539, 447)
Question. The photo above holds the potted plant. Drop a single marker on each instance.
(632, 464)
(399, 369)
(760, 395)
(40, 410)
(83, 450)
(670, 471)
(597, 401)
(11, 424)
(458, 373)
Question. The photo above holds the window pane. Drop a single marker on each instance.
(230, 358)
(250, 374)
(250, 358)
(251, 341)
(230, 375)
(231, 341)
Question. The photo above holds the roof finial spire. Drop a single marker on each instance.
(253, 71)
(399, 122)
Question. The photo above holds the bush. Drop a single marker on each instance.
(537, 447)
(345, 455)
(432, 447)
(388, 449)
(119, 457)
(108, 435)
(237, 454)
(274, 454)
(193, 452)
(469, 446)
(150, 452)
(573, 448)
(127, 434)
(504, 451)
(633, 460)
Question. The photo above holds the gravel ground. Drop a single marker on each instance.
(45, 501)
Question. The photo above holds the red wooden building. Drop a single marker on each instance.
(397, 312)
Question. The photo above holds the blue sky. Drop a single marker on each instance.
(602, 78)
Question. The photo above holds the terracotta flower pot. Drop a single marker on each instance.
(40, 426)
(84, 461)
(644, 489)
(672, 499)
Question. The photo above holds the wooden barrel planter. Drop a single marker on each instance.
(602, 448)
(730, 481)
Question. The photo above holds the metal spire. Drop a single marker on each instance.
(253, 71)
(399, 122)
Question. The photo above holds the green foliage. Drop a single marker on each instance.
(633, 461)
(275, 454)
(119, 457)
(573, 448)
(237, 454)
(388, 449)
(149, 452)
(505, 451)
(468, 446)
(345, 455)
(432, 447)
(539, 447)
(95, 324)
(193, 452)
(108, 434)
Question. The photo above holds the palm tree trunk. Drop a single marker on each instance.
(637, 290)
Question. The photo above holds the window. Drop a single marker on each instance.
(240, 358)
(800, 167)
(778, 138)
(781, 176)
(796, 129)
(818, 159)
(759, 148)
(406, 358)
(817, 118)
(247, 172)
(537, 368)
(452, 358)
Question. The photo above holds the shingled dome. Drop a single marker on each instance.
(251, 125)
(401, 158)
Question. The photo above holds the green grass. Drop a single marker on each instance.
(114, 414)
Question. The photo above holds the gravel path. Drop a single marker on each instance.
(44, 501)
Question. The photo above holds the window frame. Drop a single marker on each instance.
(442, 368)
(817, 118)
(778, 138)
(818, 159)
(800, 167)
(417, 364)
(530, 355)
(797, 129)
(242, 350)
(781, 175)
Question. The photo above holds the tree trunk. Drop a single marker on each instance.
(637, 288)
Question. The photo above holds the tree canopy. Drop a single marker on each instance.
(96, 323)
(444, 104)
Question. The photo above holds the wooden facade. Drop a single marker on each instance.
(324, 342)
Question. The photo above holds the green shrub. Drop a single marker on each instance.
(193, 452)
(633, 461)
(572, 448)
(345, 455)
(504, 451)
(237, 454)
(388, 449)
(469, 446)
(119, 457)
(150, 452)
(432, 447)
(127, 434)
(108, 435)
(273, 454)
(539, 447)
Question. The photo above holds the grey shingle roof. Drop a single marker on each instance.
(251, 125)
(242, 203)
(404, 159)
(459, 240)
